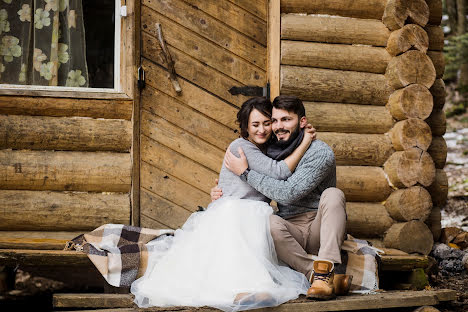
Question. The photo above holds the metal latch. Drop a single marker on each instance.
(141, 78)
(251, 91)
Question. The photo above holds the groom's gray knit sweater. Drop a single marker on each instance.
(301, 192)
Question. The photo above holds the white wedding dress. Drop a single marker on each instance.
(223, 257)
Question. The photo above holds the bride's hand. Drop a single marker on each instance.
(236, 165)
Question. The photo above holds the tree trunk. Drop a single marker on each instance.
(438, 151)
(410, 133)
(407, 168)
(367, 219)
(335, 56)
(439, 188)
(363, 183)
(452, 15)
(461, 17)
(411, 36)
(408, 204)
(397, 12)
(410, 67)
(413, 101)
(438, 92)
(411, 237)
(326, 85)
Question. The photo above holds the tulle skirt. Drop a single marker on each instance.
(223, 257)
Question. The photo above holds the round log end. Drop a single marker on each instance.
(413, 101)
(411, 36)
(410, 133)
(411, 67)
(411, 237)
(398, 12)
(413, 203)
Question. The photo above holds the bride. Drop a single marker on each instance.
(224, 257)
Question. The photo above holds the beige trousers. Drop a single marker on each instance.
(318, 233)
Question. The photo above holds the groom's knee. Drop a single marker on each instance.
(277, 227)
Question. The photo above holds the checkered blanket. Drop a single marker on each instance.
(119, 252)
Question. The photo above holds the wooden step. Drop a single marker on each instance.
(381, 300)
(35, 239)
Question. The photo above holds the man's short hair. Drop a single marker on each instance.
(261, 104)
(291, 104)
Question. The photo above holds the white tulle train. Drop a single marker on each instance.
(224, 258)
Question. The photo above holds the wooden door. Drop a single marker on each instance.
(216, 44)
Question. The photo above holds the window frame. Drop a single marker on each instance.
(123, 64)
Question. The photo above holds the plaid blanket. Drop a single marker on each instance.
(121, 252)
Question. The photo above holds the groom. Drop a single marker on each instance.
(311, 217)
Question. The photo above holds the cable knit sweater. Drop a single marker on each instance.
(301, 192)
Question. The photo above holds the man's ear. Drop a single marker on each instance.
(303, 122)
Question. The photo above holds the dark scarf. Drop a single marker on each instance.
(278, 151)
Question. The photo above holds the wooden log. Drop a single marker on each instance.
(408, 204)
(63, 107)
(367, 219)
(410, 67)
(426, 309)
(437, 58)
(335, 56)
(438, 151)
(439, 188)
(274, 47)
(397, 12)
(37, 240)
(411, 237)
(348, 117)
(410, 133)
(435, 9)
(413, 101)
(331, 29)
(325, 85)
(406, 168)
(437, 122)
(59, 211)
(411, 36)
(438, 93)
(433, 222)
(353, 149)
(363, 183)
(436, 37)
(402, 263)
(368, 9)
(65, 171)
(58, 133)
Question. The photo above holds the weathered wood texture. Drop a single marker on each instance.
(274, 47)
(413, 101)
(408, 204)
(398, 12)
(410, 133)
(63, 107)
(65, 171)
(411, 237)
(435, 9)
(406, 38)
(325, 85)
(439, 188)
(434, 223)
(334, 56)
(410, 67)
(37, 240)
(61, 133)
(61, 211)
(437, 122)
(367, 219)
(438, 92)
(331, 29)
(436, 37)
(370, 9)
(437, 58)
(438, 151)
(348, 117)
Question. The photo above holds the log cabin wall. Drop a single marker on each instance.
(216, 44)
(370, 75)
(65, 166)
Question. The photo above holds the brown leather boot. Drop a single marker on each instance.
(342, 284)
(322, 286)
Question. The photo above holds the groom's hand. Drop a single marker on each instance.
(311, 130)
(216, 192)
(236, 165)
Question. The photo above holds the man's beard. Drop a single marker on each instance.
(292, 137)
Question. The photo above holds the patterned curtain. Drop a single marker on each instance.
(42, 42)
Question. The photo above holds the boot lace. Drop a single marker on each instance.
(322, 276)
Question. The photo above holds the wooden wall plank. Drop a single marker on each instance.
(193, 96)
(65, 171)
(61, 211)
(234, 16)
(258, 7)
(194, 71)
(59, 133)
(352, 118)
(179, 140)
(169, 187)
(177, 165)
(202, 49)
(63, 107)
(186, 118)
(149, 222)
(212, 29)
(162, 210)
(37, 240)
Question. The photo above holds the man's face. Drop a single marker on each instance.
(286, 124)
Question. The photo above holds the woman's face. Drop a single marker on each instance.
(259, 128)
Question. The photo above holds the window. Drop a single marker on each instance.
(61, 45)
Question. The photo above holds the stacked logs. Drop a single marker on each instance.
(373, 89)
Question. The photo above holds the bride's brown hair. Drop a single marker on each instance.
(261, 104)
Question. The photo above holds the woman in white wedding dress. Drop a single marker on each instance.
(224, 257)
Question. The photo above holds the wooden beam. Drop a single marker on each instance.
(367, 219)
(274, 47)
(35, 239)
